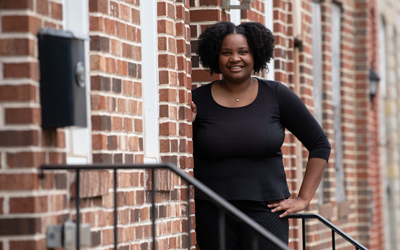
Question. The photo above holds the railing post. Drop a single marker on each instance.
(153, 208)
(188, 214)
(254, 240)
(115, 210)
(78, 198)
(221, 226)
(303, 226)
(333, 240)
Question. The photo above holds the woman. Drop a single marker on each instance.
(238, 130)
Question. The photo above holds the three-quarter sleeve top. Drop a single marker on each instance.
(237, 151)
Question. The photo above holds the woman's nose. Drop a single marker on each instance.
(235, 58)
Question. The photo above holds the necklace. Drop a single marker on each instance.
(237, 98)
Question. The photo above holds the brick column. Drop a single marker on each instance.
(27, 204)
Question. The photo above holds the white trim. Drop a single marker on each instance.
(150, 81)
(78, 140)
(269, 23)
(235, 13)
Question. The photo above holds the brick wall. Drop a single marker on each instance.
(27, 203)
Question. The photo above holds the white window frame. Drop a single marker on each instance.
(336, 101)
(78, 140)
(150, 81)
(317, 75)
(269, 23)
(235, 13)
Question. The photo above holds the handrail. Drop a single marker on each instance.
(328, 224)
(224, 206)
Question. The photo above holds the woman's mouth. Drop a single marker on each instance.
(235, 68)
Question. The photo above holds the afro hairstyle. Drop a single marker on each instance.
(260, 40)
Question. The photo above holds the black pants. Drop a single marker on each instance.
(238, 237)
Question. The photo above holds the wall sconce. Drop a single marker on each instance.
(373, 82)
(226, 4)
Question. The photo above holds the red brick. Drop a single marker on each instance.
(42, 7)
(138, 124)
(114, 9)
(161, 9)
(117, 123)
(121, 29)
(168, 128)
(98, 6)
(166, 61)
(136, 16)
(128, 124)
(180, 12)
(131, 33)
(16, 4)
(204, 15)
(109, 25)
(23, 116)
(125, 12)
(19, 181)
(96, 23)
(25, 159)
(137, 89)
(1, 208)
(60, 139)
(121, 105)
(165, 26)
(21, 24)
(20, 205)
(57, 158)
(20, 226)
(164, 146)
(168, 95)
(99, 142)
(22, 70)
(56, 11)
(97, 62)
(17, 46)
(19, 138)
(18, 93)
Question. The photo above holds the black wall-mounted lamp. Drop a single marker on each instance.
(245, 4)
(373, 82)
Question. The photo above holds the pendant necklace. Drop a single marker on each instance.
(237, 98)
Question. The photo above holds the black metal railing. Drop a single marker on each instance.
(224, 207)
(334, 230)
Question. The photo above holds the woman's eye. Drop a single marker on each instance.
(226, 53)
(243, 52)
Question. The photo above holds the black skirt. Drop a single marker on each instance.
(237, 236)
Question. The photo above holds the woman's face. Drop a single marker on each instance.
(235, 59)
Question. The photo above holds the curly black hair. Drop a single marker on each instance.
(260, 40)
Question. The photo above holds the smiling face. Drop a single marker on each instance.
(235, 59)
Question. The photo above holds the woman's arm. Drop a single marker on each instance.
(312, 178)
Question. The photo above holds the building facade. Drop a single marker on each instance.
(389, 62)
(140, 68)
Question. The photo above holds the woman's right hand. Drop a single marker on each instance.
(194, 111)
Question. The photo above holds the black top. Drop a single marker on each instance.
(237, 151)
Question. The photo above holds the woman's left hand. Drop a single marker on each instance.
(289, 206)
